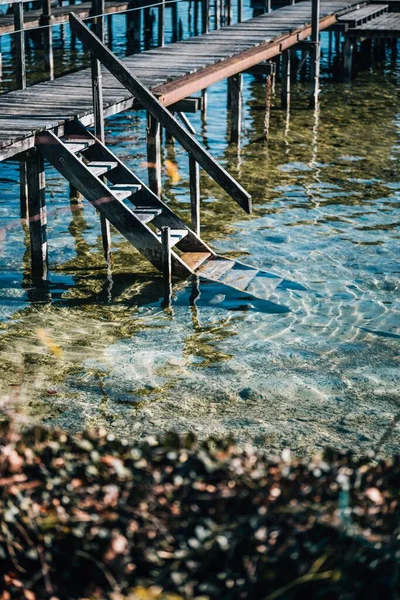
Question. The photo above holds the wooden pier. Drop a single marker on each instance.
(50, 121)
(172, 72)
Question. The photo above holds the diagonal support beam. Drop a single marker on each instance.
(160, 113)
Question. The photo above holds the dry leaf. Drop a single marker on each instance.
(48, 341)
(172, 171)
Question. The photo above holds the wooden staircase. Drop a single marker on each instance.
(138, 214)
(122, 198)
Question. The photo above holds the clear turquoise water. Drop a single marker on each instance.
(326, 193)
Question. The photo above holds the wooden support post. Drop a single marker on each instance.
(154, 154)
(148, 28)
(133, 30)
(236, 107)
(46, 21)
(268, 96)
(347, 59)
(273, 77)
(204, 105)
(166, 263)
(194, 174)
(285, 90)
(23, 189)
(393, 47)
(337, 44)
(268, 6)
(315, 52)
(175, 22)
(161, 24)
(19, 45)
(37, 216)
(205, 13)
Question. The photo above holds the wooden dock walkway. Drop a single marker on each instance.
(172, 72)
(385, 26)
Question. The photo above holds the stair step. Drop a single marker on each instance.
(216, 267)
(239, 277)
(147, 213)
(125, 190)
(195, 259)
(100, 167)
(176, 235)
(77, 144)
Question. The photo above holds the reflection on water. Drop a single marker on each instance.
(316, 365)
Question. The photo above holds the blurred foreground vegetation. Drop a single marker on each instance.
(90, 516)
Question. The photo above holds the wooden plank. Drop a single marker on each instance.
(159, 112)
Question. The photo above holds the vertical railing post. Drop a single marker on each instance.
(19, 45)
(194, 175)
(195, 17)
(240, 11)
(154, 154)
(97, 88)
(228, 14)
(315, 52)
(205, 14)
(37, 216)
(166, 263)
(110, 36)
(46, 22)
(161, 23)
(175, 21)
(148, 28)
(98, 107)
(217, 9)
(20, 75)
